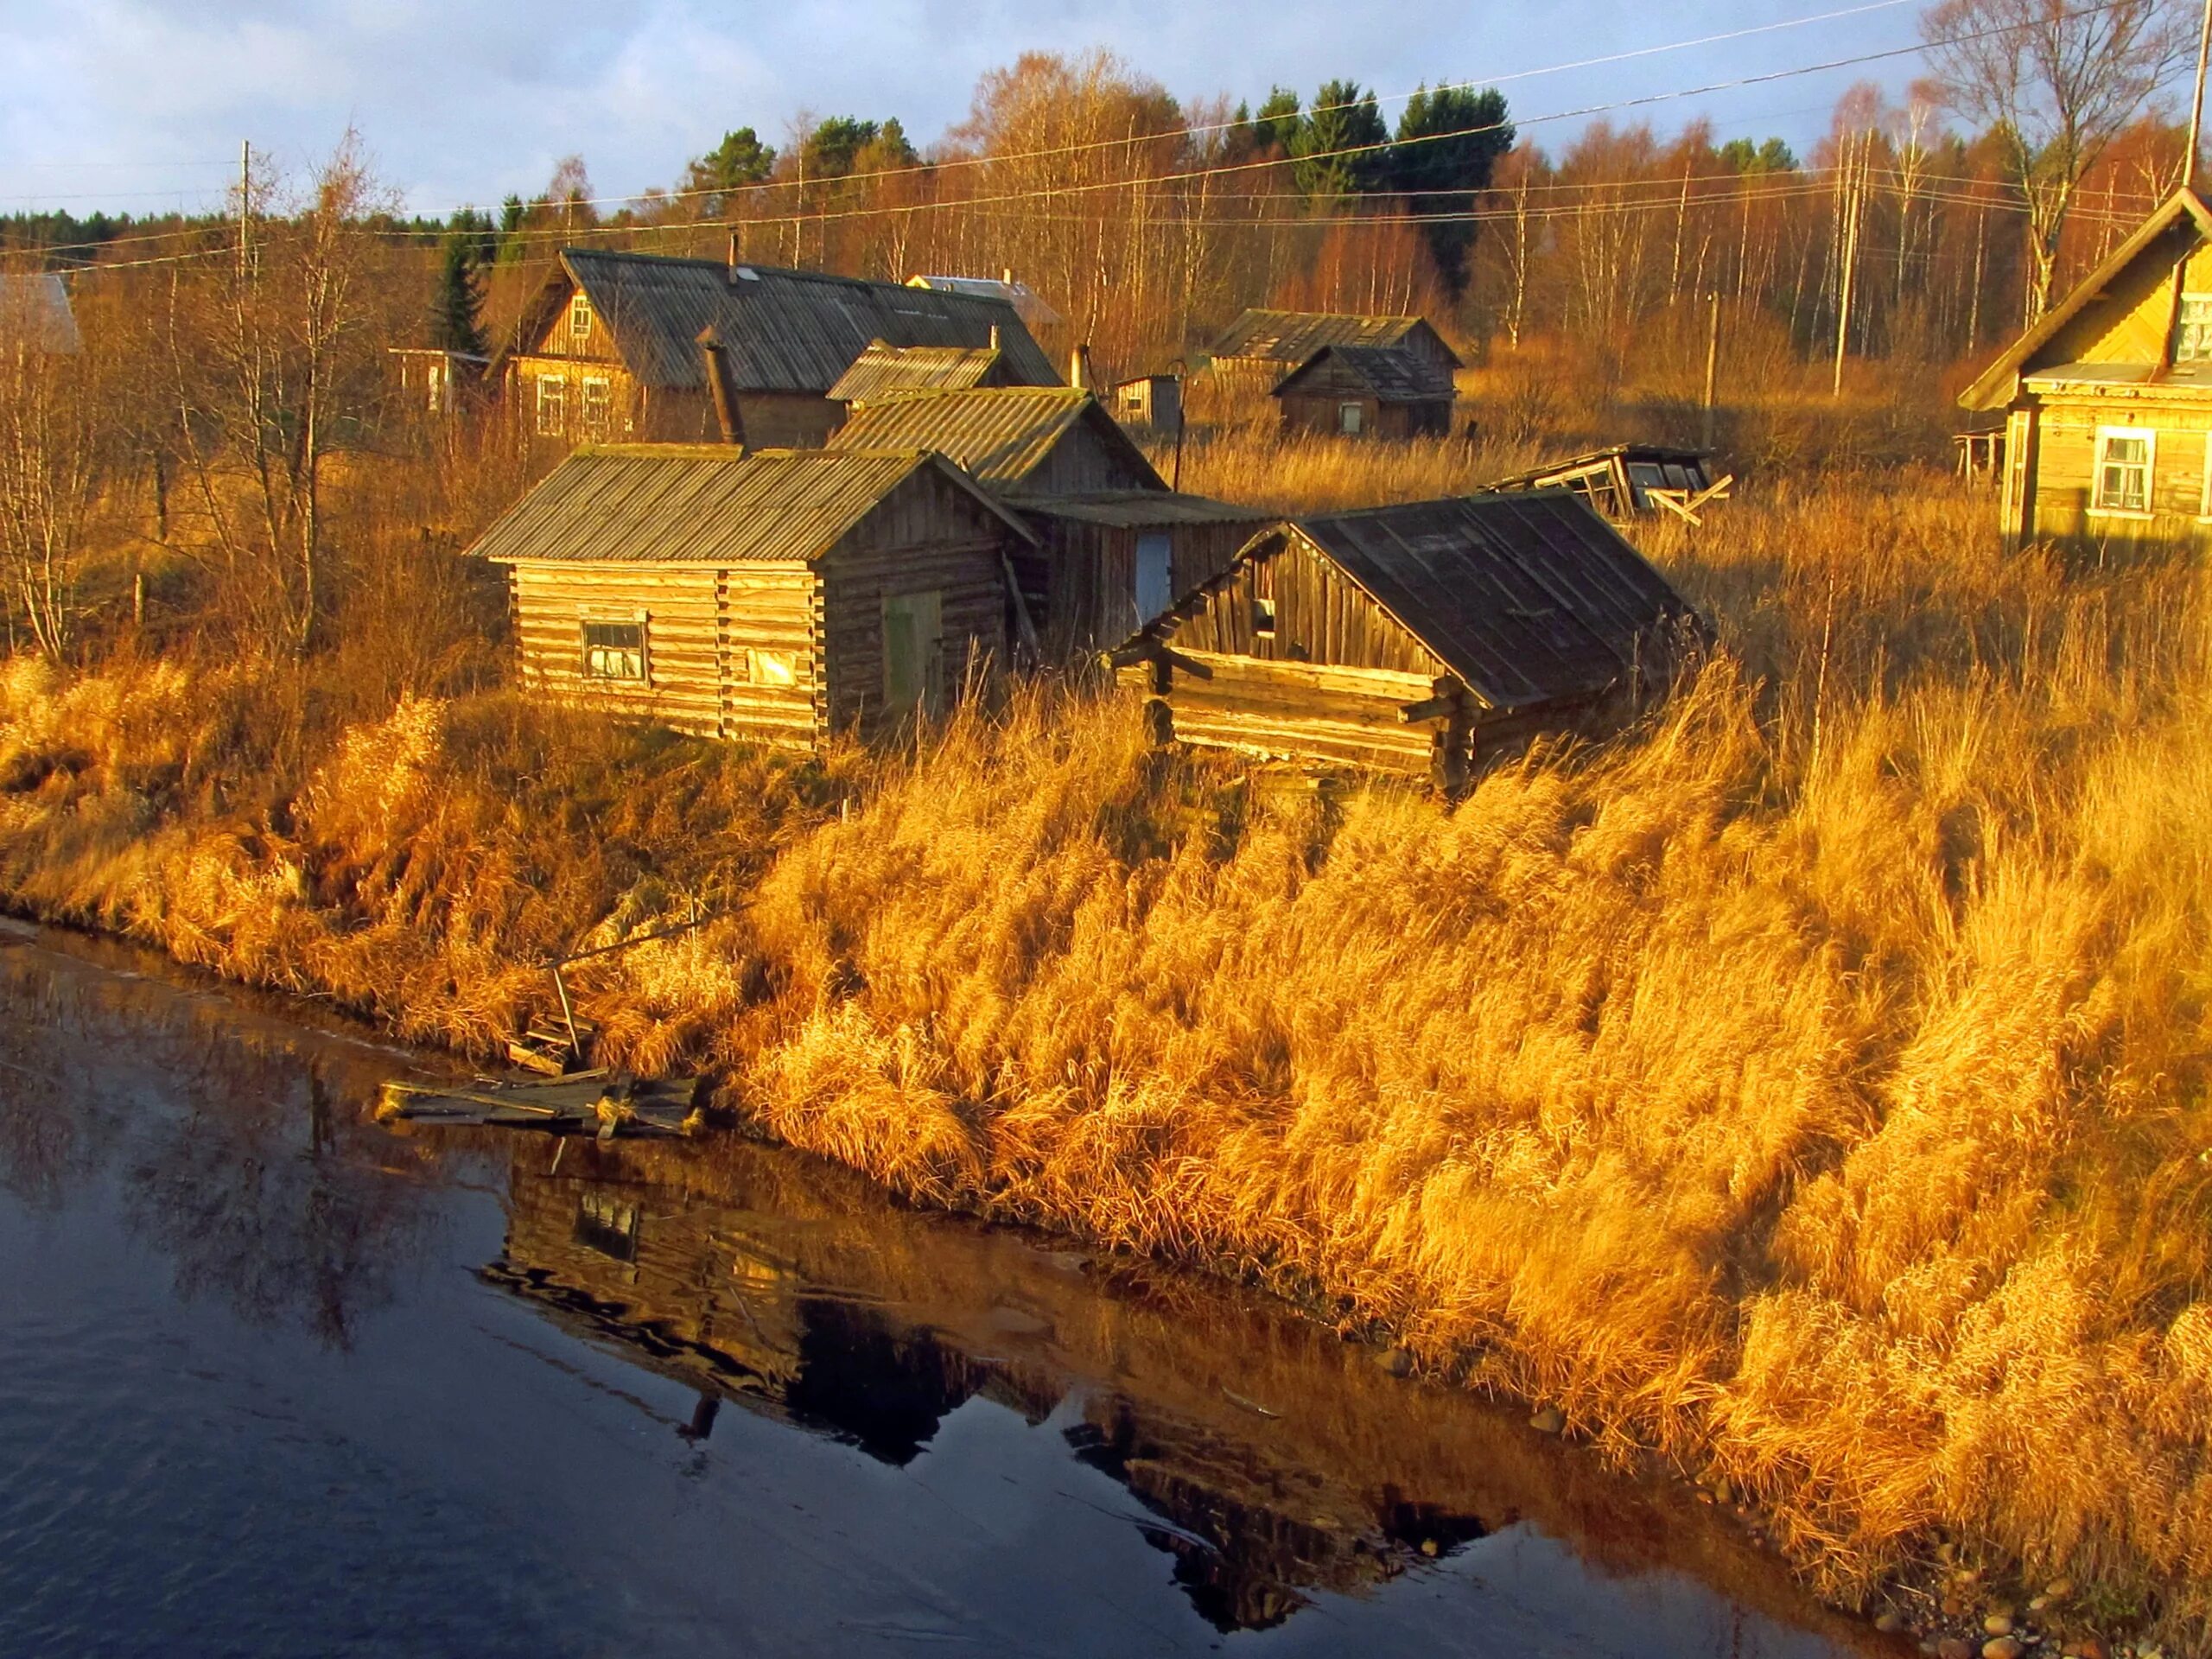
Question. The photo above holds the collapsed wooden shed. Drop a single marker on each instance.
(615, 346)
(1114, 544)
(1631, 480)
(1368, 391)
(778, 595)
(1410, 639)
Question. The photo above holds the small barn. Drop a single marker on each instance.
(622, 346)
(1154, 401)
(1631, 480)
(1368, 391)
(1116, 544)
(1260, 346)
(887, 371)
(2107, 400)
(778, 595)
(1412, 638)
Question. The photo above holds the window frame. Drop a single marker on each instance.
(553, 395)
(1352, 410)
(1263, 617)
(580, 317)
(639, 620)
(2202, 325)
(604, 425)
(2105, 436)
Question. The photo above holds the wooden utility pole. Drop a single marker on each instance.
(1712, 360)
(1853, 204)
(245, 199)
(2197, 100)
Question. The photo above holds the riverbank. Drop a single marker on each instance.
(1807, 1089)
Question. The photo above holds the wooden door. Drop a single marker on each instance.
(914, 652)
(1155, 585)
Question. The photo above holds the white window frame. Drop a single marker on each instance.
(2193, 336)
(603, 424)
(552, 406)
(638, 620)
(1351, 419)
(2106, 435)
(579, 317)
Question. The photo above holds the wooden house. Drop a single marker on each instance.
(622, 347)
(777, 595)
(1114, 544)
(1409, 639)
(1631, 480)
(887, 371)
(1260, 347)
(2107, 400)
(1368, 391)
(435, 382)
(1153, 401)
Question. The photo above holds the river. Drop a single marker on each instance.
(275, 1380)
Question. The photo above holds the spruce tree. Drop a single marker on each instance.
(457, 309)
(1337, 147)
(1449, 141)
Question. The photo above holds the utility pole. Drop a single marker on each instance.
(2197, 100)
(1852, 205)
(1712, 360)
(246, 197)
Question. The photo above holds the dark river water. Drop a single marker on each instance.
(276, 1380)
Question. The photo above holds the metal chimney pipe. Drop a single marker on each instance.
(714, 359)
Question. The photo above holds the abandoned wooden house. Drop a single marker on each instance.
(1368, 391)
(1114, 544)
(2107, 400)
(633, 346)
(887, 371)
(1260, 347)
(1631, 480)
(778, 595)
(1411, 638)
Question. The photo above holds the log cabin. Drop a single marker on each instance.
(1114, 544)
(774, 596)
(1260, 347)
(1366, 391)
(1413, 638)
(2107, 399)
(634, 346)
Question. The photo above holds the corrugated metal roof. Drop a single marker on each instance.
(1531, 598)
(677, 504)
(1135, 509)
(1024, 298)
(35, 308)
(886, 368)
(783, 330)
(1000, 433)
(1395, 374)
(1294, 336)
(1659, 453)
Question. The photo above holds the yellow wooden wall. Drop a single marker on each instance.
(2063, 457)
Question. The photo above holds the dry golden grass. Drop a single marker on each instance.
(1809, 1083)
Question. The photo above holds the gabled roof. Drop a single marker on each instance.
(34, 310)
(707, 503)
(1000, 433)
(1138, 509)
(1294, 336)
(1394, 374)
(783, 330)
(1997, 385)
(884, 368)
(1530, 598)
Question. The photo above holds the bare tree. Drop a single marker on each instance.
(53, 456)
(2055, 81)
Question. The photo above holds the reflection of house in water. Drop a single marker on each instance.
(728, 1302)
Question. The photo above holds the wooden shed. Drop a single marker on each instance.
(2107, 400)
(1410, 639)
(1116, 544)
(617, 346)
(777, 595)
(1262, 347)
(1154, 401)
(1368, 391)
(1631, 480)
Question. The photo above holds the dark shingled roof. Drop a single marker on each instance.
(704, 504)
(1000, 433)
(1530, 599)
(783, 330)
(1393, 373)
(1294, 336)
(884, 368)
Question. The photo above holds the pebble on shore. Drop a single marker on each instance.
(1548, 1420)
(2002, 1647)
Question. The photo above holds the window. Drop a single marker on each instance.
(1263, 617)
(598, 404)
(578, 320)
(552, 405)
(2193, 329)
(1349, 416)
(615, 651)
(2121, 481)
(1155, 576)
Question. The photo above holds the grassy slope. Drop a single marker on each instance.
(1811, 1082)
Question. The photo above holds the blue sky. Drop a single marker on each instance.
(140, 104)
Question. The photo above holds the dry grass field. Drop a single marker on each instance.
(1808, 1084)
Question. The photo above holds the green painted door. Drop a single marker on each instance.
(914, 652)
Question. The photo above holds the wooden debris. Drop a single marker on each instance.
(603, 1103)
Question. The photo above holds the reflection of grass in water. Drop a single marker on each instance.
(1810, 1083)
